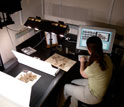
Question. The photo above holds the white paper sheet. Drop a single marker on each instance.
(13, 93)
(35, 63)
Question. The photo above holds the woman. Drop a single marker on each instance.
(97, 73)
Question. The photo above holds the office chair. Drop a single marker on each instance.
(82, 104)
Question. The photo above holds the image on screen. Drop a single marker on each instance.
(106, 35)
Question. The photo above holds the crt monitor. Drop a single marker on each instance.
(107, 36)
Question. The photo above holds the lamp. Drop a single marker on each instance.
(59, 28)
(47, 25)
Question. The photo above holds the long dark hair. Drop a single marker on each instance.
(94, 44)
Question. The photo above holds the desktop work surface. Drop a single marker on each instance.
(42, 88)
(46, 83)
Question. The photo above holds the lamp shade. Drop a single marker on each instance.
(47, 25)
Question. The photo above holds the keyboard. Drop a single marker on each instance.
(86, 56)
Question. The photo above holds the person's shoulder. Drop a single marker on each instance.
(106, 56)
(94, 65)
(108, 59)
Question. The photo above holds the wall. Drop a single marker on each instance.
(107, 13)
(117, 15)
(8, 40)
(79, 9)
(101, 13)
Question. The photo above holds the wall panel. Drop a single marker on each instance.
(118, 13)
(79, 10)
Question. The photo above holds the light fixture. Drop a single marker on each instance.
(61, 35)
(47, 25)
(36, 28)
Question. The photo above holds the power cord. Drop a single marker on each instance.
(10, 38)
(39, 42)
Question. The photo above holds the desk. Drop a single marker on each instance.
(44, 86)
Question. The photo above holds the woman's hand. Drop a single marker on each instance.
(82, 59)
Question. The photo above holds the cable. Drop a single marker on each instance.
(12, 29)
(39, 42)
(10, 38)
(21, 17)
(60, 10)
(42, 8)
(71, 41)
(111, 11)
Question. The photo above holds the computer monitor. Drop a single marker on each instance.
(107, 36)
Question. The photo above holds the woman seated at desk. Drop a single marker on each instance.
(97, 73)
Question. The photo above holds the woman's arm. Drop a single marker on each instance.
(82, 67)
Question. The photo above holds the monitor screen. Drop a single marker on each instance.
(107, 36)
